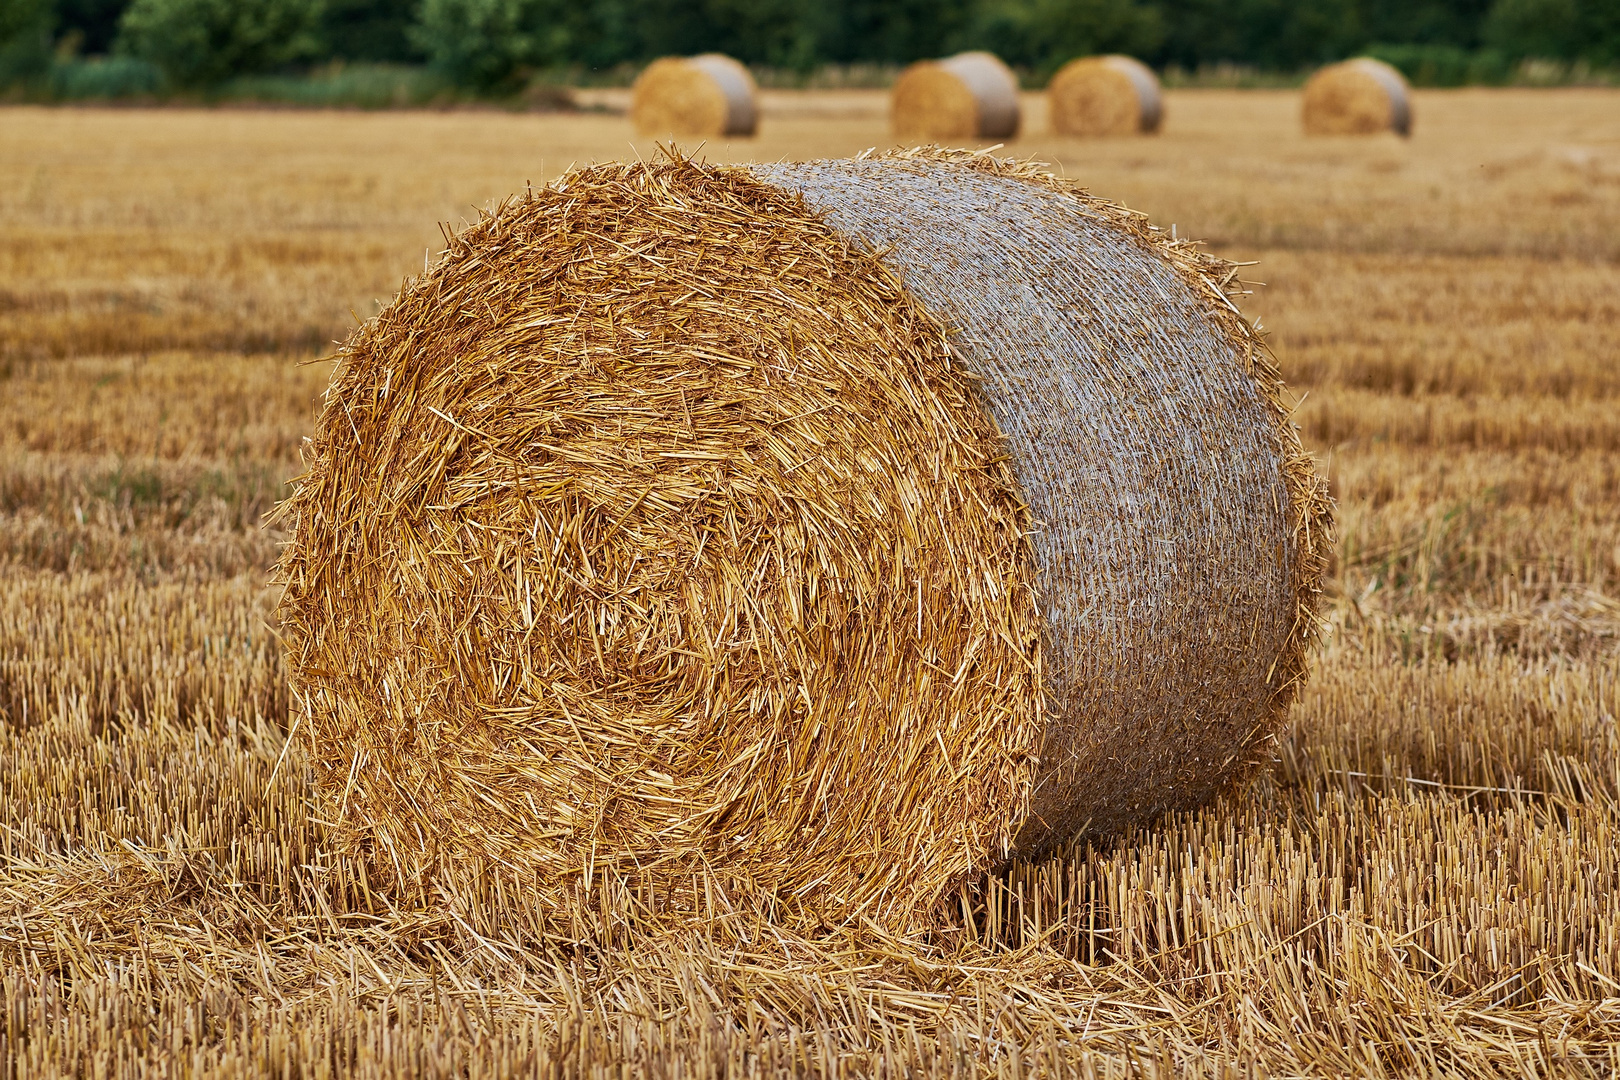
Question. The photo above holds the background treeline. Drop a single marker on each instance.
(494, 47)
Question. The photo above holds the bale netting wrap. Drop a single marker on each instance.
(711, 94)
(1178, 528)
(971, 95)
(662, 540)
(1105, 95)
(1357, 97)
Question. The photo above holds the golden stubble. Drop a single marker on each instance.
(1424, 880)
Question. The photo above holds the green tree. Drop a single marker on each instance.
(1043, 34)
(1278, 34)
(375, 30)
(776, 32)
(1423, 22)
(782, 33)
(20, 16)
(203, 42)
(1600, 25)
(93, 22)
(1544, 28)
(1556, 29)
(25, 39)
(893, 31)
(492, 45)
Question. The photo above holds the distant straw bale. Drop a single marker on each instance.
(1357, 97)
(971, 95)
(661, 540)
(709, 94)
(1105, 95)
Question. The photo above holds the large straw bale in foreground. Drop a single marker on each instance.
(661, 539)
(1357, 97)
(971, 95)
(710, 94)
(1105, 95)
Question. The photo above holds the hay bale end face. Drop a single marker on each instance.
(1105, 95)
(710, 95)
(1357, 97)
(662, 534)
(971, 95)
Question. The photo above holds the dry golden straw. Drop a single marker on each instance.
(1357, 97)
(695, 95)
(662, 540)
(971, 95)
(1105, 95)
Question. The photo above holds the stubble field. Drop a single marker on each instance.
(1426, 881)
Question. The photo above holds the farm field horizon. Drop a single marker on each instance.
(1425, 880)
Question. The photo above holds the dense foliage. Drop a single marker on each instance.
(25, 38)
(198, 42)
(491, 45)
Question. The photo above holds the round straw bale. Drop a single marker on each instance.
(662, 539)
(1357, 97)
(971, 95)
(709, 94)
(1105, 95)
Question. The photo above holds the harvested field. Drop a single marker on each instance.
(1426, 879)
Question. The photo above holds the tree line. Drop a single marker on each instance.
(493, 46)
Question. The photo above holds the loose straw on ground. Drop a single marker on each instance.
(971, 95)
(1105, 95)
(709, 94)
(1357, 97)
(663, 539)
